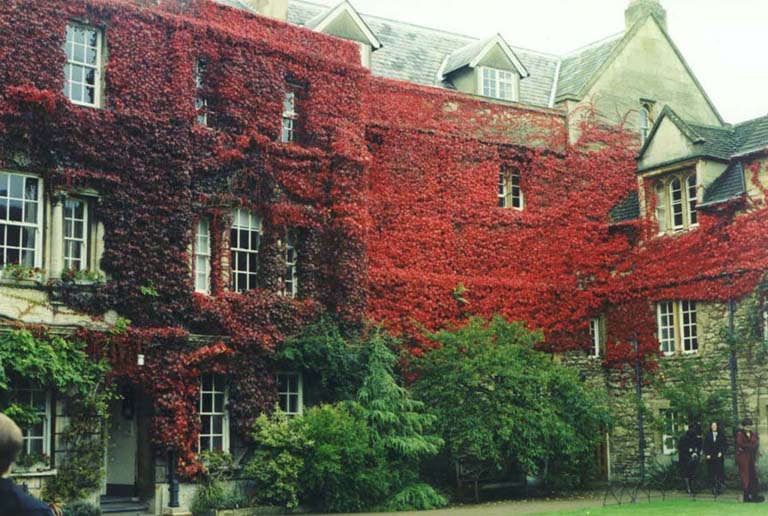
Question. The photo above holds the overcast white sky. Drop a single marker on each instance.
(724, 41)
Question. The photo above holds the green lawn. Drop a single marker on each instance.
(672, 507)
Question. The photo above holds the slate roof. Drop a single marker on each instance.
(717, 142)
(578, 67)
(752, 135)
(628, 209)
(730, 184)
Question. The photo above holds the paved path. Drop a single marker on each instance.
(538, 505)
(508, 508)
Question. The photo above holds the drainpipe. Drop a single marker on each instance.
(732, 365)
(640, 421)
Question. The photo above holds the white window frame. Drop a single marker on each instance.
(667, 334)
(218, 387)
(596, 337)
(202, 256)
(689, 332)
(201, 102)
(38, 225)
(492, 81)
(97, 67)
(672, 423)
(677, 327)
(646, 119)
(290, 278)
(29, 389)
(287, 394)
(289, 125)
(510, 190)
(83, 242)
(244, 220)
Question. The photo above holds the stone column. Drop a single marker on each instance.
(57, 236)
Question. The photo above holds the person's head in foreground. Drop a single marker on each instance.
(11, 443)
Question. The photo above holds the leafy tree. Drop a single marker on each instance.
(499, 401)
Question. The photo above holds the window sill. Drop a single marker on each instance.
(24, 283)
(33, 471)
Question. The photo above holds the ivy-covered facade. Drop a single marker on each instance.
(183, 185)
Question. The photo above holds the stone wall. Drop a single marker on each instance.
(752, 386)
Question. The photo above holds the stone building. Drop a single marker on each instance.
(247, 146)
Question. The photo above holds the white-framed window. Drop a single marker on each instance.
(202, 254)
(214, 423)
(673, 427)
(21, 214)
(497, 84)
(677, 327)
(596, 337)
(75, 233)
(676, 202)
(290, 278)
(510, 191)
(83, 68)
(201, 102)
(37, 437)
(689, 329)
(290, 122)
(244, 241)
(290, 393)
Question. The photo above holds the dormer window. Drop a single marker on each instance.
(498, 84)
(676, 202)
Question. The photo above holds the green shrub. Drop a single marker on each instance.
(208, 496)
(414, 497)
(278, 461)
(81, 509)
(344, 472)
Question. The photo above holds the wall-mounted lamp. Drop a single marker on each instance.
(140, 360)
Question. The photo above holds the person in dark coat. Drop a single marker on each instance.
(747, 444)
(715, 446)
(688, 454)
(13, 500)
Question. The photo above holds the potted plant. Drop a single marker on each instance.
(82, 276)
(19, 273)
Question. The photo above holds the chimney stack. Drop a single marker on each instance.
(277, 9)
(639, 9)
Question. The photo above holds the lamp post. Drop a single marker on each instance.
(173, 481)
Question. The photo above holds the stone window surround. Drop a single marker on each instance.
(50, 251)
(665, 202)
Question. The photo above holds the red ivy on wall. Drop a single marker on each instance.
(393, 192)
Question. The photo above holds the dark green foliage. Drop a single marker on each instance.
(330, 362)
(278, 462)
(691, 386)
(498, 401)
(344, 472)
(61, 365)
(210, 493)
(415, 497)
(81, 509)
